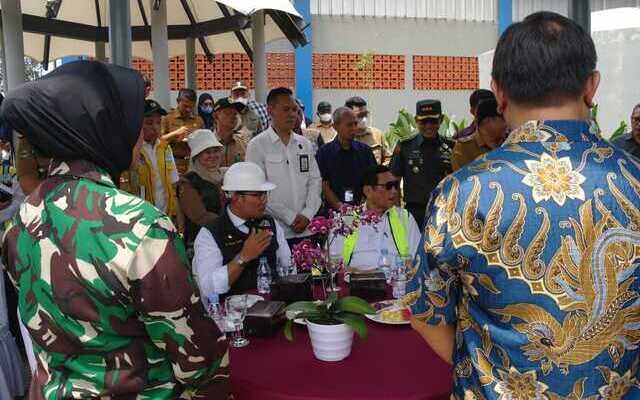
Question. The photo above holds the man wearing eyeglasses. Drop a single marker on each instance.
(397, 231)
(226, 252)
(423, 160)
(631, 141)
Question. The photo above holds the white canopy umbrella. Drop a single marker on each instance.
(84, 12)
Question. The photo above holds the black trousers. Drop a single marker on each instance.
(417, 210)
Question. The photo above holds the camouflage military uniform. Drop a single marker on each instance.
(107, 295)
(180, 148)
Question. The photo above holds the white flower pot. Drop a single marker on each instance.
(330, 342)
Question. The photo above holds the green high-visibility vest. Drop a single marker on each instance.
(398, 231)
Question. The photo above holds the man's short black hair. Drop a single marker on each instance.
(188, 94)
(355, 101)
(479, 95)
(370, 175)
(273, 95)
(544, 60)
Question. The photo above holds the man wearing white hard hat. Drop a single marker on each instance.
(199, 193)
(227, 250)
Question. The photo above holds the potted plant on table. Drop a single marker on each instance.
(331, 324)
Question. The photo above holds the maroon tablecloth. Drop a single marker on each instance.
(394, 362)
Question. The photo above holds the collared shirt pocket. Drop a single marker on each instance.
(274, 165)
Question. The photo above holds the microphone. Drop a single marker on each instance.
(265, 224)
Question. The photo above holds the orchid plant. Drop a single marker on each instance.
(343, 222)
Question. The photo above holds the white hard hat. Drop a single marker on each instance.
(202, 139)
(246, 176)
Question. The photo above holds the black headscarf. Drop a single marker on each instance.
(207, 118)
(82, 110)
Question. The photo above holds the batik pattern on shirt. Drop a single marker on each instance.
(107, 294)
(533, 251)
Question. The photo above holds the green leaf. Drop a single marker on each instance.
(288, 332)
(356, 305)
(304, 306)
(356, 322)
(621, 130)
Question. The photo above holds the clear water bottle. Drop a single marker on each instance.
(384, 264)
(399, 284)
(215, 311)
(281, 269)
(264, 276)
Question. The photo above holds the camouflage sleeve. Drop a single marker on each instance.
(163, 291)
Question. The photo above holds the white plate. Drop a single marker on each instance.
(385, 305)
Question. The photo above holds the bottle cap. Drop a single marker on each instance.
(214, 298)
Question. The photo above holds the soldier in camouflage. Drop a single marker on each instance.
(105, 288)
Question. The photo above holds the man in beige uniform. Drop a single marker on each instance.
(373, 137)
(234, 141)
(178, 125)
(490, 133)
(324, 125)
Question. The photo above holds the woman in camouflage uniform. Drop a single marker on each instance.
(105, 289)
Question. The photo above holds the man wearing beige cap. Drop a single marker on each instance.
(226, 112)
(199, 192)
(255, 117)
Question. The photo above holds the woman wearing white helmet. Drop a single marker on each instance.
(227, 250)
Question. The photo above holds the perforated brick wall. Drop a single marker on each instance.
(445, 73)
(340, 71)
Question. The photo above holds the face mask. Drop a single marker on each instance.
(362, 123)
(242, 100)
(206, 109)
(325, 118)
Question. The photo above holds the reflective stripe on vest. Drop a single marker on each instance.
(398, 231)
(145, 176)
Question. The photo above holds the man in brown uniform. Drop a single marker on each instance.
(178, 125)
(490, 133)
(373, 137)
(31, 166)
(235, 142)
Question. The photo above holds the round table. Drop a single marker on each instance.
(394, 362)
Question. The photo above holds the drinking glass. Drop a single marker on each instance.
(236, 309)
(335, 264)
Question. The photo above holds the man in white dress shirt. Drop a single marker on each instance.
(397, 231)
(227, 251)
(288, 161)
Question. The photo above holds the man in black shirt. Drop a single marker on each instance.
(342, 162)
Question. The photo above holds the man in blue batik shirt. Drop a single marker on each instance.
(526, 279)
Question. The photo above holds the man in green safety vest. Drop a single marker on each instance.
(397, 231)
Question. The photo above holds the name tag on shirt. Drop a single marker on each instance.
(304, 163)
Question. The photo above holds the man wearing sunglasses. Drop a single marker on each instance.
(227, 251)
(397, 231)
(423, 160)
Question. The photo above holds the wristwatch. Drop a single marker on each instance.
(239, 260)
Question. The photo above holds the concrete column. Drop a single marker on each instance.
(100, 51)
(580, 11)
(160, 50)
(120, 32)
(304, 62)
(190, 64)
(5, 87)
(13, 43)
(259, 56)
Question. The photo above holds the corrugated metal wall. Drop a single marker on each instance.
(463, 10)
(467, 10)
